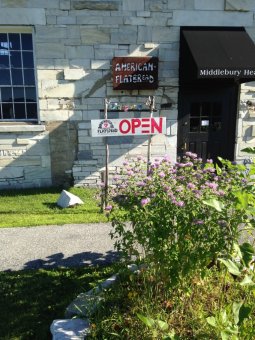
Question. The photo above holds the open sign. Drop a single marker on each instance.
(128, 126)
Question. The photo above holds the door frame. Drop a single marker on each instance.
(230, 91)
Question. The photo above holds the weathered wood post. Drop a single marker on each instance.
(151, 103)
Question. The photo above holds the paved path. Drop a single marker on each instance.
(54, 246)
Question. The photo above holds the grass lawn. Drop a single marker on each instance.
(31, 300)
(31, 207)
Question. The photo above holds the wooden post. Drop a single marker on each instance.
(106, 177)
(151, 103)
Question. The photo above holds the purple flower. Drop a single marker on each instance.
(125, 163)
(180, 203)
(198, 222)
(108, 208)
(145, 201)
(130, 173)
(141, 184)
(180, 165)
(212, 185)
(209, 161)
(191, 154)
(191, 186)
(220, 193)
(162, 174)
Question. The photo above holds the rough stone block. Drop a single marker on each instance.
(239, 5)
(100, 64)
(90, 36)
(95, 5)
(125, 35)
(85, 155)
(49, 50)
(194, 18)
(22, 16)
(215, 5)
(66, 20)
(79, 52)
(74, 74)
(133, 5)
(67, 199)
(69, 329)
(11, 172)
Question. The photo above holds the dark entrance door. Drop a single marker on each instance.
(207, 122)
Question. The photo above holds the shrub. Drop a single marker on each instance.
(182, 215)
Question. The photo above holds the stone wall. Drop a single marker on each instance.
(25, 159)
(75, 41)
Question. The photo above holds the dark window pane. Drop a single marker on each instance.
(20, 111)
(4, 46)
(26, 40)
(30, 94)
(216, 124)
(194, 124)
(7, 111)
(4, 61)
(195, 109)
(29, 77)
(3, 39)
(16, 59)
(17, 78)
(216, 109)
(31, 111)
(206, 109)
(6, 94)
(14, 40)
(28, 59)
(18, 94)
(1, 117)
(5, 77)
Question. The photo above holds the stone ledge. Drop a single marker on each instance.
(84, 305)
(22, 128)
(69, 329)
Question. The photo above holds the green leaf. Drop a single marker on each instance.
(212, 321)
(218, 169)
(235, 309)
(149, 322)
(223, 315)
(244, 313)
(162, 325)
(231, 266)
(247, 252)
(249, 150)
(224, 335)
(243, 199)
(217, 205)
(247, 281)
(237, 250)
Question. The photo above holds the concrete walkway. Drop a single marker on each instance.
(55, 246)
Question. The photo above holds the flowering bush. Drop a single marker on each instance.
(182, 215)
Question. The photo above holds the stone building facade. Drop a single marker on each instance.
(74, 42)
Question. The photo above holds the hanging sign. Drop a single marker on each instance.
(135, 73)
(128, 126)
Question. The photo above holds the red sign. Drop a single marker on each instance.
(129, 126)
(134, 73)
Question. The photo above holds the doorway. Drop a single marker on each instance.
(207, 122)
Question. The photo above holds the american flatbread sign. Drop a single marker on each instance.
(135, 73)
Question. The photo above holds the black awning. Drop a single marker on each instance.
(216, 53)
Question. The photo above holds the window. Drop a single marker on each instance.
(18, 100)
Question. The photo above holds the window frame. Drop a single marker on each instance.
(34, 120)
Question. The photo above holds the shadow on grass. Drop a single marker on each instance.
(31, 299)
